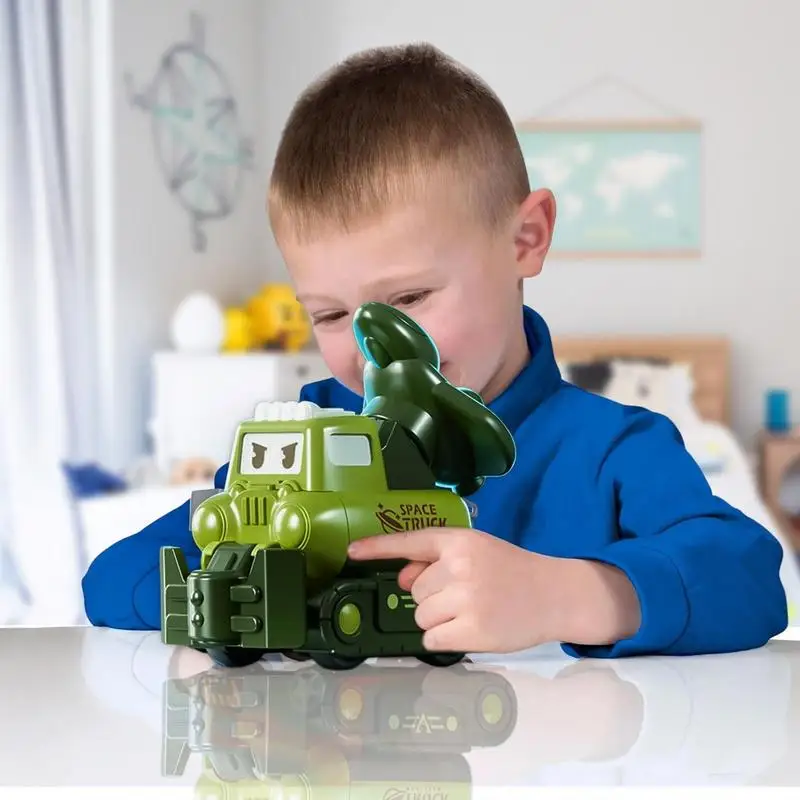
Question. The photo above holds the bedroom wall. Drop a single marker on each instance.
(723, 61)
(146, 260)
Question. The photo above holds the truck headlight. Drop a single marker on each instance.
(290, 527)
(208, 525)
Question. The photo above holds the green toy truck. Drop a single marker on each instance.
(303, 483)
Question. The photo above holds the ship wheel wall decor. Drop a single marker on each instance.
(196, 129)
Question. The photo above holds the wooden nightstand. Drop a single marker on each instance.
(778, 453)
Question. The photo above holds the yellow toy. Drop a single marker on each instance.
(238, 331)
(277, 319)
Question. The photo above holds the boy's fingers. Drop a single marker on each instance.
(423, 545)
(435, 610)
(454, 635)
(432, 580)
(410, 573)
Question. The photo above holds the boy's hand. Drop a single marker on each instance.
(477, 593)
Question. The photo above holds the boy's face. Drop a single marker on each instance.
(458, 280)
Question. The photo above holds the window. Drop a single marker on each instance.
(349, 450)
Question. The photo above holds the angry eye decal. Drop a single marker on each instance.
(289, 454)
(271, 454)
(259, 456)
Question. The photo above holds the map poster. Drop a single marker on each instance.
(622, 189)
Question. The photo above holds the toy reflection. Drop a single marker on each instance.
(272, 730)
(730, 719)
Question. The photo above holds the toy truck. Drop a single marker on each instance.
(303, 482)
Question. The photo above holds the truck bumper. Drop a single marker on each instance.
(243, 599)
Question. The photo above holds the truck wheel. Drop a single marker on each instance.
(440, 659)
(234, 656)
(293, 655)
(333, 661)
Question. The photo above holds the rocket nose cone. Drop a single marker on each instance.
(371, 317)
(398, 335)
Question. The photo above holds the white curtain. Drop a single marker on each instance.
(48, 382)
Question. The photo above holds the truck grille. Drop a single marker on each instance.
(254, 510)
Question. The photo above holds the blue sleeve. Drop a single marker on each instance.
(122, 588)
(706, 575)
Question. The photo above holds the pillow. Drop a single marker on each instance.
(661, 386)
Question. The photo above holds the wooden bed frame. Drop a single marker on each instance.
(709, 357)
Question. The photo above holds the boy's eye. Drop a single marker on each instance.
(410, 299)
(321, 319)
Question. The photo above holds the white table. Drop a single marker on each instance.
(96, 707)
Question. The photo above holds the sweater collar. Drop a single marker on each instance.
(538, 379)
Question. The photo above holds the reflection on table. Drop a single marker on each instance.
(389, 731)
(88, 706)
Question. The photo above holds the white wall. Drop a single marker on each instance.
(731, 63)
(145, 253)
(302, 40)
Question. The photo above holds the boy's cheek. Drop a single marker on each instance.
(459, 344)
(342, 359)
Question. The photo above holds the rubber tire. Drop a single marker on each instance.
(235, 656)
(441, 659)
(293, 655)
(334, 662)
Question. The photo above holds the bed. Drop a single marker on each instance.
(686, 378)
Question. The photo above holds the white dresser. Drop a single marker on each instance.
(198, 400)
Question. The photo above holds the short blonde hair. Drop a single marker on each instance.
(380, 127)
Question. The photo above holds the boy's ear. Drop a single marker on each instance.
(533, 231)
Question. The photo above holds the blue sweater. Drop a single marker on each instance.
(594, 480)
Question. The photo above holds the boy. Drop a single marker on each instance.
(399, 178)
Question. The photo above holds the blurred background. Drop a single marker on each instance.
(143, 305)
